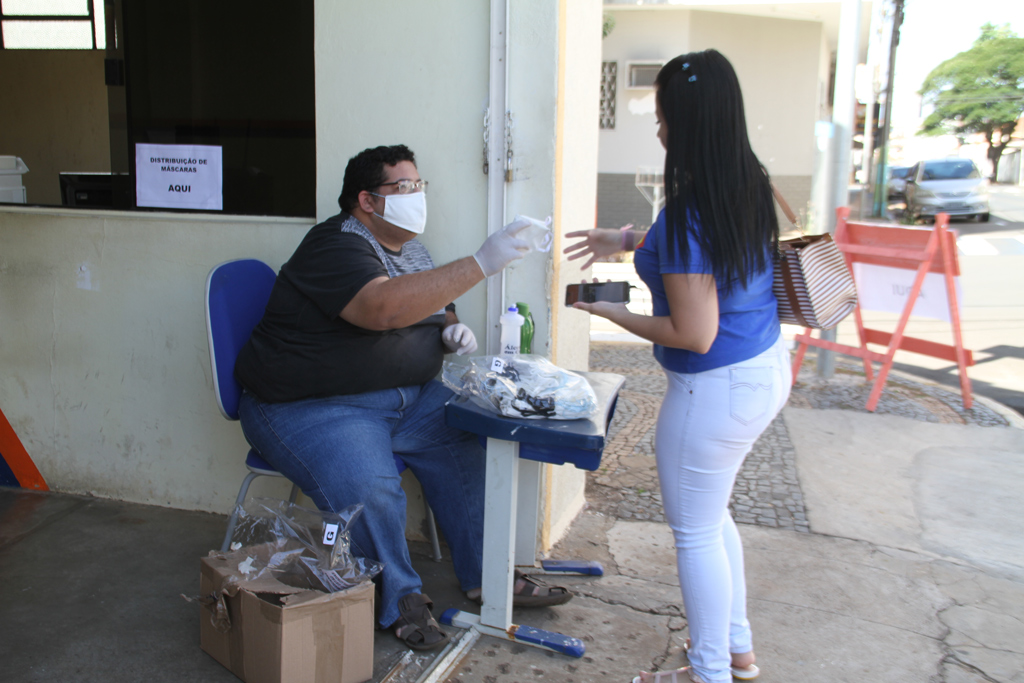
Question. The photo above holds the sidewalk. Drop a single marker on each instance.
(881, 547)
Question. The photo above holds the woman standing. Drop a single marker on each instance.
(708, 263)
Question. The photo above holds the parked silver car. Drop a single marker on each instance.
(953, 186)
(897, 181)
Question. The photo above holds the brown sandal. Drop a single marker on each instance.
(529, 592)
(416, 626)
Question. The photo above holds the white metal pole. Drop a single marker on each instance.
(497, 105)
(500, 496)
(881, 191)
(843, 119)
(871, 73)
(844, 101)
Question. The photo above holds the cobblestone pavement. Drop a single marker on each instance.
(767, 490)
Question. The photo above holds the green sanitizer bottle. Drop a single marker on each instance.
(526, 333)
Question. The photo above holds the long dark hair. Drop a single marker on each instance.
(712, 177)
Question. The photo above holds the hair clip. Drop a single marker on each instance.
(692, 78)
(686, 65)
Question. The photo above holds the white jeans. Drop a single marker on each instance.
(707, 425)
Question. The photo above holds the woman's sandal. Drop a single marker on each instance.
(674, 676)
(746, 673)
(528, 592)
(416, 626)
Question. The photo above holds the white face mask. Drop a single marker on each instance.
(407, 211)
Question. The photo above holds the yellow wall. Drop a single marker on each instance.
(54, 116)
(575, 208)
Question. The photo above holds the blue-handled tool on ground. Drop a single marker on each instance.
(538, 637)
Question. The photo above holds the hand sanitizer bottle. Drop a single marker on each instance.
(511, 324)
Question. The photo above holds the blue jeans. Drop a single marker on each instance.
(708, 423)
(339, 451)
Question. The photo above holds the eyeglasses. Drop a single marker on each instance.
(408, 186)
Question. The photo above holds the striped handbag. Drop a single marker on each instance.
(812, 283)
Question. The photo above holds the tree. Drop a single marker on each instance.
(607, 24)
(980, 90)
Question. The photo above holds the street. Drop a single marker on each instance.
(992, 311)
(992, 316)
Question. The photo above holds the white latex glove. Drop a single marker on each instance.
(459, 338)
(502, 248)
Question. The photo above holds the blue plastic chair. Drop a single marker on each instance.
(236, 295)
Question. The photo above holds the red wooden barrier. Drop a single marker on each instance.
(922, 250)
(17, 460)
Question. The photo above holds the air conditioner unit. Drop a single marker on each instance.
(641, 75)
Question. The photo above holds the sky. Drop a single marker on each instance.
(932, 32)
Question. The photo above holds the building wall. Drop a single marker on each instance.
(106, 377)
(102, 330)
(780, 64)
(620, 202)
(777, 63)
(436, 105)
(639, 35)
(73, 102)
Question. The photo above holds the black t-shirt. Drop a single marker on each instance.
(303, 349)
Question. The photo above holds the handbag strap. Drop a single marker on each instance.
(784, 205)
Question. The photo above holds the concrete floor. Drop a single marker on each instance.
(90, 591)
(911, 569)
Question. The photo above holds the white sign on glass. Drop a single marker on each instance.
(179, 176)
(880, 288)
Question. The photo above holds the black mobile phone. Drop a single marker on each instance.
(589, 292)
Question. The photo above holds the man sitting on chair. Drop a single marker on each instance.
(338, 376)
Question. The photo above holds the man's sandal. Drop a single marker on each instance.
(674, 676)
(746, 673)
(416, 626)
(529, 592)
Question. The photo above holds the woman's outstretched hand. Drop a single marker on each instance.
(596, 243)
(602, 309)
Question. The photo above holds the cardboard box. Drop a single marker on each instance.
(267, 632)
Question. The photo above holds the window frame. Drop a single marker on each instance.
(91, 17)
(252, 142)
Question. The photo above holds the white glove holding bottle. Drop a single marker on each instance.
(459, 338)
(502, 248)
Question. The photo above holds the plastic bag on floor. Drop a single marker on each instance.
(311, 549)
(525, 386)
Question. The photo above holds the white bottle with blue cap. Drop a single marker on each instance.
(511, 326)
